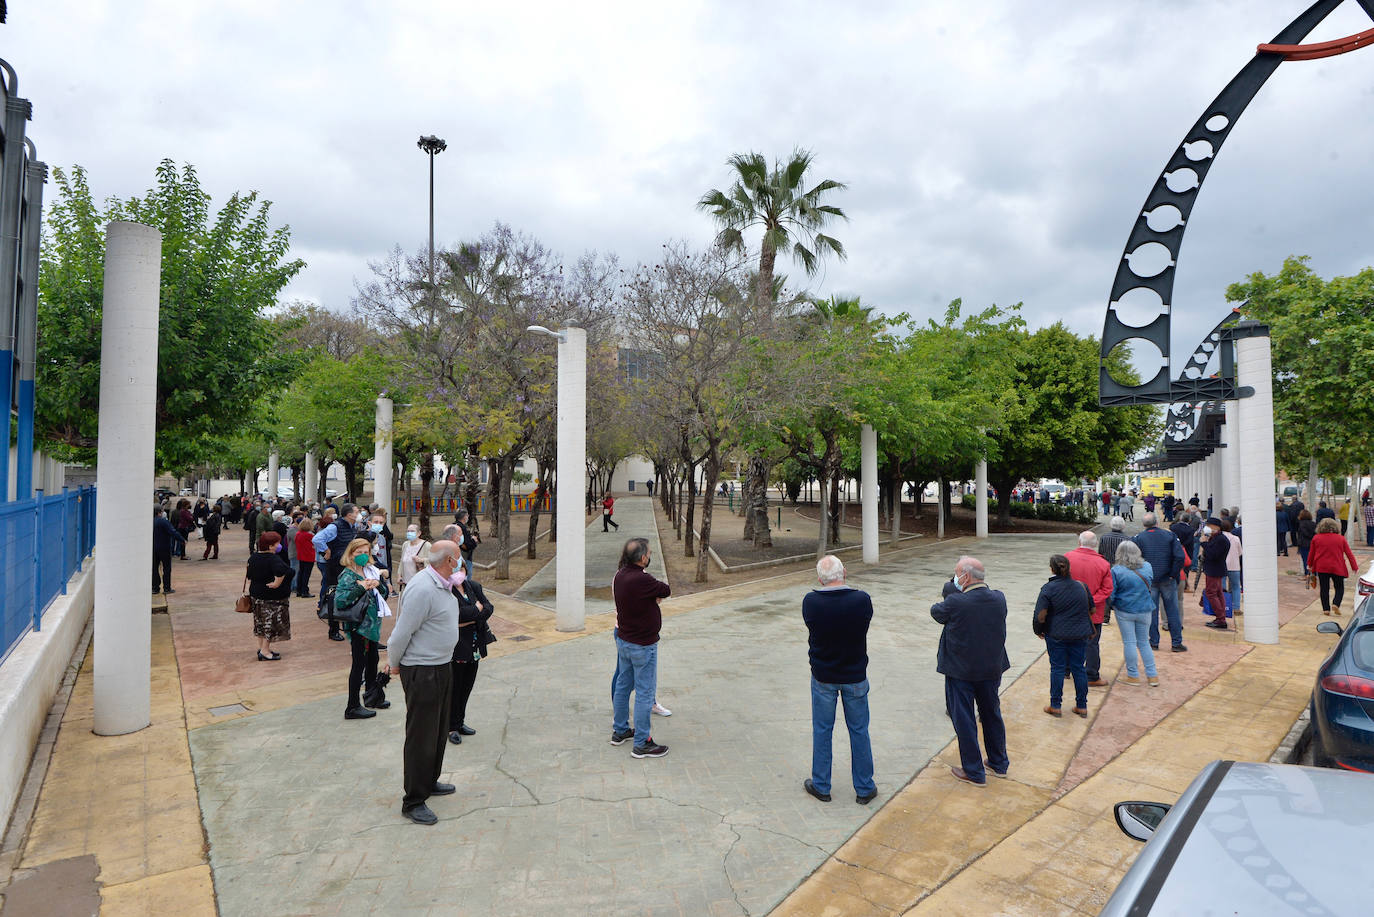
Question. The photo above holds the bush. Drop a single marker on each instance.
(1050, 512)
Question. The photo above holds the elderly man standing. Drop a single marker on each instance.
(1108, 543)
(837, 618)
(638, 621)
(421, 646)
(1163, 552)
(1089, 567)
(972, 657)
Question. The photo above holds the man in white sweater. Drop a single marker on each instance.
(420, 651)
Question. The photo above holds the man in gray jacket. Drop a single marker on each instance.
(421, 652)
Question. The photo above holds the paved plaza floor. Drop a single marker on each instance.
(251, 795)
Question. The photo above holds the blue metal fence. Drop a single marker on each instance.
(43, 541)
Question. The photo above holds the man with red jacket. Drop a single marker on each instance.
(638, 621)
(1092, 570)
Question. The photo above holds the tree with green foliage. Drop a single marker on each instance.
(330, 409)
(1051, 424)
(792, 217)
(218, 351)
(1320, 332)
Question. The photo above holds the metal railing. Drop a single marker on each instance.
(519, 503)
(43, 541)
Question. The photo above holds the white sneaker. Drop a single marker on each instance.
(661, 710)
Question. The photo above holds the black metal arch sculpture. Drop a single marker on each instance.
(1163, 219)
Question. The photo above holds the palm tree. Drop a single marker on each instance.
(774, 200)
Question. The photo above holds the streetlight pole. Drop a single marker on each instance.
(433, 146)
(571, 564)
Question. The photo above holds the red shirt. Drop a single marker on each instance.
(1092, 570)
(305, 549)
(1328, 554)
(608, 504)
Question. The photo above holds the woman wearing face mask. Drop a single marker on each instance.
(413, 554)
(473, 636)
(269, 586)
(381, 542)
(358, 576)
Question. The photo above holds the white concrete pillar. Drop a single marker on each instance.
(273, 474)
(1230, 456)
(1214, 480)
(868, 460)
(980, 500)
(1313, 494)
(124, 475)
(1356, 521)
(571, 600)
(381, 456)
(1254, 368)
(312, 477)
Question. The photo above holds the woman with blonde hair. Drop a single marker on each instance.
(1327, 557)
(1132, 602)
(360, 579)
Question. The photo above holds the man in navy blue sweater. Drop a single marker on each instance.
(837, 618)
(972, 657)
(1163, 552)
(164, 536)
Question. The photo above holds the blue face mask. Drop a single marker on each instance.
(411, 536)
(377, 527)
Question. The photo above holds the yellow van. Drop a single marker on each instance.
(1157, 487)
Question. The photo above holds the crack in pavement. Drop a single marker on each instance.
(505, 730)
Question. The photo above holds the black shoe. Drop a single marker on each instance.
(455, 738)
(1155, 647)
(272, 657)
(865, 800)
(335, 635)
(375, 698)
(382, 704)
(466, 730)
(1178, 648)
(443, 789)
(421, 815)
(1215, 624)
(169, 591)
(359, 713)
(811, 788)
(304, 595)
(650, 749)
(618, 738)
(157, 591)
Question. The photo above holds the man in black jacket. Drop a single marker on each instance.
(164, 536)
(837, 618)
(972, 657)
(638, 622)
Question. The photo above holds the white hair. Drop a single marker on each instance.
(450, 532)
(830, 569)
(441, 551)
(1118, 524)
(972, 567)
(1087, 539)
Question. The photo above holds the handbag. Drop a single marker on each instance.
(244, 604)
(353, 614)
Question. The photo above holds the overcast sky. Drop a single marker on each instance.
(996, 151)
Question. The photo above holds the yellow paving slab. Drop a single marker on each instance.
(1068, 858)
(130, 800)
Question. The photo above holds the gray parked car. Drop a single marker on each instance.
(1244, 838)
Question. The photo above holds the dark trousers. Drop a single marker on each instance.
(428, 695)
(962, 698)
(1325, 580)
(1092, 660)
(1283, 543)
(165, 559)
(303, 580)
(330, 578)
(464, 677)
(363, 671)
(1215, 600)
(607, 520)
(211, 545)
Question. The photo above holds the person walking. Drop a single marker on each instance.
(607, 509)
(214, 523)
(1367, 511)
(1063, 618)
(1307, 528)
(305, 556)
(185, 525)
(638, 621)
(164, 537)
(1091, 569)
(1127, 506)
(1163, 552)
(1132, 603)
(474, 608)
(972, 656)
(837, 618)
(359, 578)
(269, 589)
(1328, 558)
(420, 651)
(1343, 514)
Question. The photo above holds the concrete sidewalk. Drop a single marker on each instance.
(300, 809)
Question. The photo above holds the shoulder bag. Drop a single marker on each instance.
(244, 604)
(352, 614)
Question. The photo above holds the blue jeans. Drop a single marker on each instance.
(855, 699)
(961, 698)
(1369, 536)
(1135, 639)
(1067, 655)
(636, 669)
(1233, 586)
(1167, 591)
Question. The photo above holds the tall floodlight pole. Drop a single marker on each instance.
(433, 146)
(571, 600)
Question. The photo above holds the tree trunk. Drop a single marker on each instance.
(426, 477)
(895, 495)
(835, 503)
(763, 296)
(1004, 486)
(677, 514)
(689, 550)
(1312, 496)
(822, 521)
(758, 501)
(707, 503)
(501, 518)
(536, 500)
